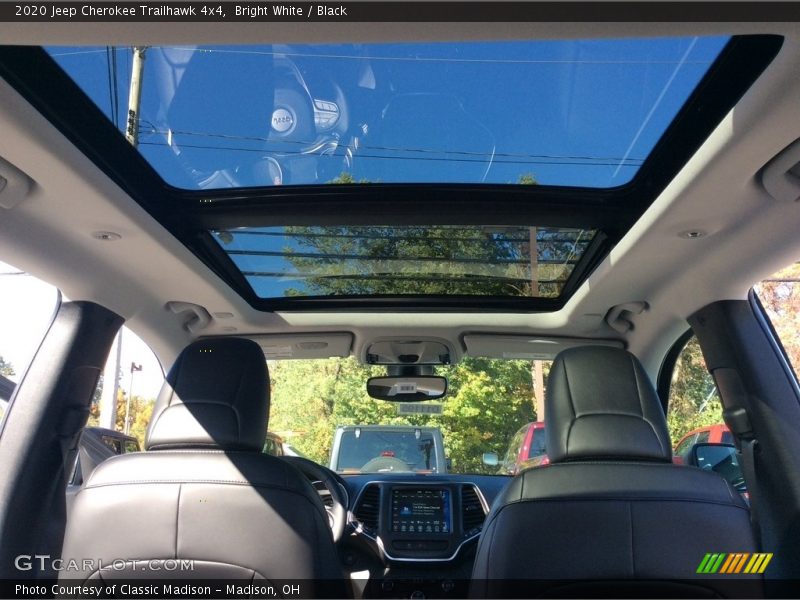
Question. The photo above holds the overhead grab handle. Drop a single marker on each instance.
(781, 176)
(619, 316)
(198, 319)
(14, 185)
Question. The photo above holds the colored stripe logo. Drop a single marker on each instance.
(735, 563)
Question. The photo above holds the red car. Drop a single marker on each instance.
(526, 449)
(710, 434)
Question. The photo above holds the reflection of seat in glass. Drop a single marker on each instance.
(433, 135)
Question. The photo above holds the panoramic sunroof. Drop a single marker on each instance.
(472, 176)
(581, 113)
(394, 261)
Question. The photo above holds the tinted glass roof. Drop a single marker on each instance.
(413, 260)
(477, 175)
(566, 113)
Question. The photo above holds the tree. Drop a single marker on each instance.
(312, 397)
(693, 398)
(6, 368)
(780, 296)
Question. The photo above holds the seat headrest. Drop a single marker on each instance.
(216, 395)
(600, 404)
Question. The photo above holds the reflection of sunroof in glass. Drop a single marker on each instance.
(405, 260)
(581, 113)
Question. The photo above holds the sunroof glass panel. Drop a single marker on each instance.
(583, 113)
(315, 261)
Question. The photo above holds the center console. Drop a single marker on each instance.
(425, 534)
(420, 522)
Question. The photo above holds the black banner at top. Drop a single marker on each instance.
(246, 11)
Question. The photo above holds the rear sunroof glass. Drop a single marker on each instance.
(583, 113)
(304, 261)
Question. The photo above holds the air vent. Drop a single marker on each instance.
(368, 508)
(324, 494)
(472, 512)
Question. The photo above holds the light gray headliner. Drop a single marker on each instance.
(751, 234)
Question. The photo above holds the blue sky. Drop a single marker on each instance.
(581, 113)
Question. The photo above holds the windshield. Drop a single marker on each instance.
(322, 409)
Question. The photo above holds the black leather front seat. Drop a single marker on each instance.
(611, 515)
(203, 491)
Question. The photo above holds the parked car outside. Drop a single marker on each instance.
(527, 449)
(711, 434)
(273, 445)
(384, 448)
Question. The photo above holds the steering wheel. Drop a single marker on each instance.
(337, 514)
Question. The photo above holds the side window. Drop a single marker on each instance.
(537, 444)
(124, 403)
(693, 399)
(683, 447)
(27, 307)
(113, 443)
(780, 296)
(131, 446)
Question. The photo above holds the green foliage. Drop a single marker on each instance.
(693, 398)
(487, 401)
(6, 368)
(780, 295)
(345, 177)
(141, 409)
(431, 260)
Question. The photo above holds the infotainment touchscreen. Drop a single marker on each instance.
(421, 510)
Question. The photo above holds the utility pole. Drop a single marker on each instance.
(108, 398)
(135, 95)
(134, 369)
(537, 368)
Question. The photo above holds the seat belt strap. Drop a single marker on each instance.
(748, 457)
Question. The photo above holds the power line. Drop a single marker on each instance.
(431, 59)
(407, 58)
(383, 148)
(420, 158)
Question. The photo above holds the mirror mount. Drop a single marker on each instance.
(408, 370)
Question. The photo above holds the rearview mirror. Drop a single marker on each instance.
(490, 459)
(407, 389)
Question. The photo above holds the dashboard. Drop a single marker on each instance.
(415, 536)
